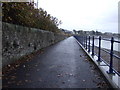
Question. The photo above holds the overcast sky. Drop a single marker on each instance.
(100, 15)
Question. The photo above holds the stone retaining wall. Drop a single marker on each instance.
(18, 41)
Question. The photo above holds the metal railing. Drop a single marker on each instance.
(90, 47)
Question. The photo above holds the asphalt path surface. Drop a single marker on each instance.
(62, 65)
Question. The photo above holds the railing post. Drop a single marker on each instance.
(111, 57)
(89, 45)
(93, 46)
(80, 39)
(99, 51)
(86, 42)
(83, 42)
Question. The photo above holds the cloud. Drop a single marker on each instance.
(84, 14)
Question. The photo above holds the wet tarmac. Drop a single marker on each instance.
(62, 65)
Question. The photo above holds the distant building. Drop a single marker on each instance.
(66, 31)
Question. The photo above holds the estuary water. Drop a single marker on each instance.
(107, 44)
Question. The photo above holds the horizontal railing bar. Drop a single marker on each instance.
(110, 40)
(117, 41)
(109, 53)
(116, 72)
(105, 39)
(116, 56)
(106, 51)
